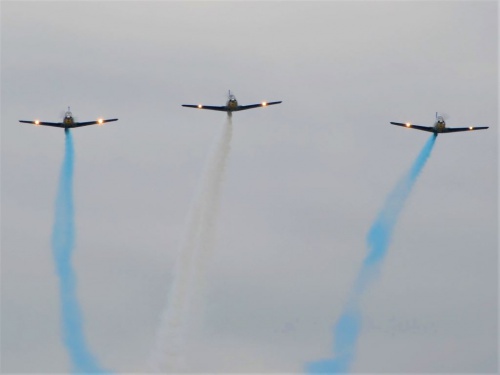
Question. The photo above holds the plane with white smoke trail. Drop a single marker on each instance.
(348, 327)
(63, 246)
(232, 105)
(197, 244)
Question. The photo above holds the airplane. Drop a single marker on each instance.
(231, 105)
(438, 127)
(68, 122)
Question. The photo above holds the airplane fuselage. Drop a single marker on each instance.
(439, 126)
(232, 104)
(68, 119)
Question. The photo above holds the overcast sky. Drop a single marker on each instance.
(304, 180)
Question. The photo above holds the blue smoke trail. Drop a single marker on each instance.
(63, 244)
(348, 327)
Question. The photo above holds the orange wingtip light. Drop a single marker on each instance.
(470, 128)
(37, 122)
(264, 104)
(199, 106)
(100, 121)
(408, 124)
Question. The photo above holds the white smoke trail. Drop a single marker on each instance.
(198, 242)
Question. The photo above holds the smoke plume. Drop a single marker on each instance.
(197, 244)
(347, 330)
(63, 245)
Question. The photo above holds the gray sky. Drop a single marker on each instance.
(305, 179)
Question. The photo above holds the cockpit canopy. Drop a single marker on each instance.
(68, 114)
(440, 119)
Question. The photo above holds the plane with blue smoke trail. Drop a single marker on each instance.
(348, 328)
(69, 122)
(63, 246)
(438, 127)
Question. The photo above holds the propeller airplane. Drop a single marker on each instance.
(231, 105)
(68, 122)
(438, 127)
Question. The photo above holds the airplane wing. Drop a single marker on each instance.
(452, 130)
(100, 122)
(200, 106)
(411, 126)
(56, 124)
(250, 106)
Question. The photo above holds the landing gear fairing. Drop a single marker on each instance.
(69, 122)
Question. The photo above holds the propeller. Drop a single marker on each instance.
(62, 114)
(445, 116)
